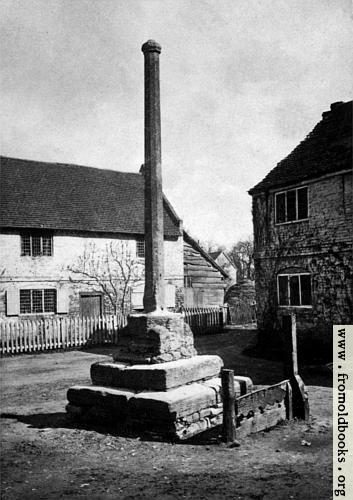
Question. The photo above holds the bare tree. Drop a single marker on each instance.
(242, 256)
(114, 270)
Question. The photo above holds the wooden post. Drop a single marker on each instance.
(300, 402)
(229, 432)
(228, 314)
(288, 401)
(290, 345)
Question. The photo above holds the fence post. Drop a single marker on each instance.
(227, 314)
(290, 345)
(221, 321)
(229, 432)
(300, 402)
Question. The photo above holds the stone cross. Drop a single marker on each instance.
(153, 300)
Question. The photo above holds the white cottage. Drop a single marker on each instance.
(52, 215)
(55, 216)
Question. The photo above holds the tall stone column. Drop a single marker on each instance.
(153, 299)
(156, 335)
(157, 383)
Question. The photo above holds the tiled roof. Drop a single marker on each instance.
(71, 197)
(327, 149)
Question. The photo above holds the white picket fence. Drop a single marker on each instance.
(35, 335)
(206, 320)
(58, 333)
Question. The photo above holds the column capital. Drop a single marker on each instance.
(151, 46)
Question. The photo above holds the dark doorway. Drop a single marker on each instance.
(90, 304)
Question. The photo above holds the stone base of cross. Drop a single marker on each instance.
(155, 338)
(156, 384)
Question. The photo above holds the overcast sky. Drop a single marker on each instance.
(242, 82)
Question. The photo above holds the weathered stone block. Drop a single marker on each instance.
(156, 377)
(192, 429)
(153, 338)
(189, 419)
(214, 412)
(74, 411)
(176, 413)
(101, 397)
(108, 374)
(172, 404)
(216, 420)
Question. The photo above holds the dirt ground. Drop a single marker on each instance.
(44, 456)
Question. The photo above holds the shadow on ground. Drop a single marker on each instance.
(237, 348)
(60, 420)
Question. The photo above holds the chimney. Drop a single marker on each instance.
(153, 299)
(335, 105)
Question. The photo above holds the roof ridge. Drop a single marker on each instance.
(334, 126)
(68, 196)
(54, 163)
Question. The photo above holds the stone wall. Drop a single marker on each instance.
(22, 272)
(321, 245)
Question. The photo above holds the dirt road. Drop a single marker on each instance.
(46, 457)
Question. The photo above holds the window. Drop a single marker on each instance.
(37, 301)
(292, 205)
(36, 245)
(140, 249)
(294, 289)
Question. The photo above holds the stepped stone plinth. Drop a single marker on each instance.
(173, 400)
(156, 384)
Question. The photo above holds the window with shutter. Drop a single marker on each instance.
(12, 302)
(37, 301)
(25, 302)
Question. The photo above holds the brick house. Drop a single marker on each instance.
(302, 216)
(51, 213)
